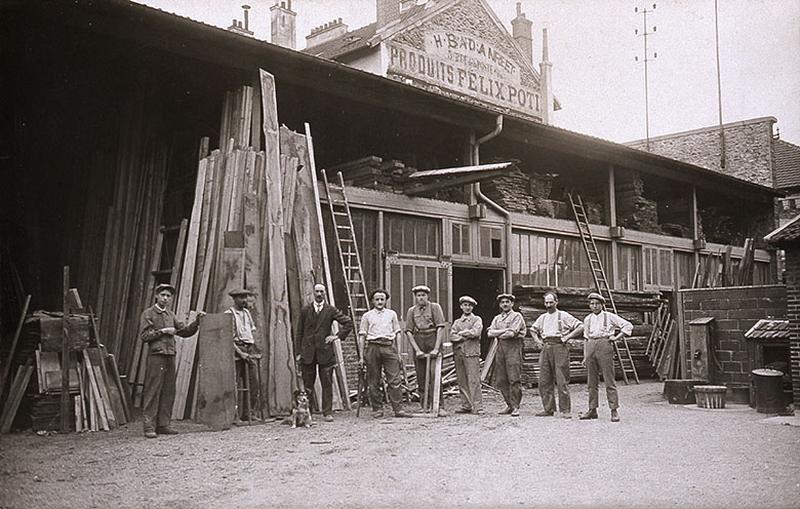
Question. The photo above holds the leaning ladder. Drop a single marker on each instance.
(601, 282)
(348, 251)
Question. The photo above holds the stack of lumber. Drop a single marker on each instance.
(372, 172)
(719, 270)
(574, 299)
(634, 210)
(663, 346)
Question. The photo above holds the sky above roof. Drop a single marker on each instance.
(592, 46)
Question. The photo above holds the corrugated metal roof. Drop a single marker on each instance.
(769, 330)
(787, 165)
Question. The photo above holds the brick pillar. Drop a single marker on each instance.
(793, 314)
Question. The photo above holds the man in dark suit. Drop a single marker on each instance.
(315, 347)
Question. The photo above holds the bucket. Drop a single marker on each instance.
(710, 396)
(768, 387)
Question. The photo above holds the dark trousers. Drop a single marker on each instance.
(425, 341)
(508, 371)
(325, 379)
(384, 357)
(159, 391)
(600, 359)
(468, 375)
(554, 372)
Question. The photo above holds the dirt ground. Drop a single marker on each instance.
(660, 455)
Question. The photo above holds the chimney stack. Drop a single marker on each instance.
(323, 33)
(282, 24)
(238, 27)
(546, 70)
(387, 11)
(522, 32)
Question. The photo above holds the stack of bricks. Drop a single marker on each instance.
(735, 310)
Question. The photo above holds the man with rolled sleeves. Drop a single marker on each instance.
(378, 335)
(159, 326)
(244, 347)
(425, 325)
(509, 329)
(599, 329)
(465, 334)
(555, 328)
(316, 345)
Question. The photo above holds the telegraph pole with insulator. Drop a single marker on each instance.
(645, 33)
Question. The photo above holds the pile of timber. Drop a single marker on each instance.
(574, 299)
(372, 172)
(719, 270)
(663, 346)
(97, 396)
(635, 211)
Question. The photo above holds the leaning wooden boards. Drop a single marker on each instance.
(216, 374)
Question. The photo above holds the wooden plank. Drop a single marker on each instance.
(437, 384)
(341, 375)
(94, 389)
(15, 393)
(216, 400)
(65, 352)
(105, 397)
(184, 299)
(202, 239)
(113, 371)
(178, 258)
(253, 280)
(229, 275)
(108, 386)
(183, 372)
(78, 417)
(281, 358)
(13, 349)
(487, 363)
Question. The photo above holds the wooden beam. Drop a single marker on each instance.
(65, 420)
(452, 181)
(281, 368)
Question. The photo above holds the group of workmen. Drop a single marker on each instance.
(378, 338)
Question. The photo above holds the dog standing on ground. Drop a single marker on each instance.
(301, 413)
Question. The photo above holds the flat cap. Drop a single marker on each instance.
(240, 291)
(506, 296)
(420, 288)
(165, 286)
(596, 296)
(467, 298)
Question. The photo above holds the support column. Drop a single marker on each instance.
(612, 222)
(694, 223)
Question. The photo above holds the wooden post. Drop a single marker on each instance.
(612, 222)
(65, 424)
(695, 224)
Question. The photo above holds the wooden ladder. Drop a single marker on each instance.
(601, 282)
(349, 256)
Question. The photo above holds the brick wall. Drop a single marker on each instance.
(735, 310)
(748, 149)
(793, 314)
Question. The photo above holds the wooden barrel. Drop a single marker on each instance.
(710, 396)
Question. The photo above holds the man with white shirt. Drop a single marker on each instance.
(555, 329)
(378, 335)
(599, 329)
(245, 349)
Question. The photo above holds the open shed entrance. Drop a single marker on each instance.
(483, 285)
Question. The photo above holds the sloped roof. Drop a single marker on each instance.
(787, 165)
(357, 39)
(769, 329)
(786, 234)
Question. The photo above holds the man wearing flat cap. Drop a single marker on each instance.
(465, 334)
(509, 329)
(244, 345)
(425, 326)
(316, 345)
(158, 328)
(599, 329)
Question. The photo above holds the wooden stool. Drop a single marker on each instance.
(244, 392)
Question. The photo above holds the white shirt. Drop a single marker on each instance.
(547, 325)
(603, 325)
(243, 325)
(318, 306)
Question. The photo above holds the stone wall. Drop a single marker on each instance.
(748, 149)
(735, 310)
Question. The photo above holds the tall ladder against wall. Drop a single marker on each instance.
(601, 282)
(348, 251)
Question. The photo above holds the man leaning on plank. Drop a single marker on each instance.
(425, 326)
(509, 329)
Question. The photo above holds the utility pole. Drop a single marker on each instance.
(646, 31)
(719, 91)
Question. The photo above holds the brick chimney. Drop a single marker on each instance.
(326, 32)
(546, 71)
(387, 11)
(242, 28)
(522, 32)
(282, 21)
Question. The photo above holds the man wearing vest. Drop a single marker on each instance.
(555, 329)
(159, 326)
(244, 346)
(425, 325)
(316, 345)
(598, 353)
(509, 329)
(465, 334)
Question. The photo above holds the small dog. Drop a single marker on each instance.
(301, 413)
